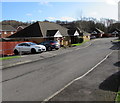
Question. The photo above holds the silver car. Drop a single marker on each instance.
(28, 47)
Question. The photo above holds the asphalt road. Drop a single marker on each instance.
(101, 84)
(38, 80)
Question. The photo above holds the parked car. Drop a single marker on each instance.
(28, 47)
(92, 37)
(50, 45)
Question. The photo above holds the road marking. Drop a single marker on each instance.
(47, 99)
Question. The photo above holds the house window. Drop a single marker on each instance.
(11, 32)
(5, 32)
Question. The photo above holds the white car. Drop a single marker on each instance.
(28, 47)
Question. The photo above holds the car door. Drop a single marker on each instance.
(26, 47)
(47, 44)
(20, 47)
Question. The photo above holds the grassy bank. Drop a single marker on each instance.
(118, 40)
(10, 57)
(78, 44)
(118, 97)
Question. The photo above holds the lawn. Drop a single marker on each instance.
(117, 40)
(10, 57)
(78, 44)
(118, 97)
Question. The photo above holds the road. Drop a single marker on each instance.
(38, 80)
(101, 84)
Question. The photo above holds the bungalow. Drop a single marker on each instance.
(97, 33)
(116, 33)
(41, 31)
(6, 30)
(78, 36)
(55, 35)
(74, 35)
(86, 36)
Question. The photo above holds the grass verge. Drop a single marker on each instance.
(117, 40)
(10, 57)
(78, 44)
(118, 97)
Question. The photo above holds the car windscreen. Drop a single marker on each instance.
(32, 43)
(53, 41)
(41, 43)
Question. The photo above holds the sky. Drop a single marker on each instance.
(52, 11)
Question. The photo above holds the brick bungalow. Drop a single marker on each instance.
(97, 33)
(116, 33)
(41, 31)
(74, 35)
(6, 31)
(77, 35)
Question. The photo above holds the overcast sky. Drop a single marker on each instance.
(64, 11)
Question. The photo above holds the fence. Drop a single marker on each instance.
(6, 48)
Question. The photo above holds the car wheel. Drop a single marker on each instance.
(33, 51)
(49, 48)
(56, 48)
(16, 52)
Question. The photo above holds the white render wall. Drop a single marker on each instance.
(76, 33)
(119, 11)
(58, 34)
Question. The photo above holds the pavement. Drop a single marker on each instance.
(35, 57)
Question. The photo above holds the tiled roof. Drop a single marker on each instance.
(51, 33)
(118, 30)
(7, 28)
(98, 30)
(71, 32)
(30, 31)
(39, 29)
(52, 26)
(86, 34)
